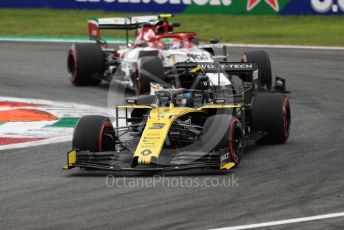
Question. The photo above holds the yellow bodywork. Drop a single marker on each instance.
(158, 126)
(208, 106)
(165, 15)
(128, 106)
(154, 135)
(197, 69)
(71, 159)
(227, 165)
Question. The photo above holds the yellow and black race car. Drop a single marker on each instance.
(178, 129)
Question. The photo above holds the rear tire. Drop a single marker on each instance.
(264, 66)
(94, 133)
(83, 61)
(271, 113)
(150, 69)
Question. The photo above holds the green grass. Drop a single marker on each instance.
(302, 30)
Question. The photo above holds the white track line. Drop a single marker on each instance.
(228, 44)
(283, 222)
(285, 46)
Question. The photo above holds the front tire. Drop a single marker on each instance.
(95, 134)
(224, 131)
(83, 61)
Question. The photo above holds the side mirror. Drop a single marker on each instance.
(280, 85)
(142, 44)
(214, 41)
(175, 24)
(131, 101)
(219, 101)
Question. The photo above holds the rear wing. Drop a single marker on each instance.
(214, 67)
(119, 23)
(250, 69)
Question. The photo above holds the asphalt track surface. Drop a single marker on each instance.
(301, 178)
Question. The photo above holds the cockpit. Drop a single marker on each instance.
(181, 98)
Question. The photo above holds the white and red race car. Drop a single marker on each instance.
(149, 60)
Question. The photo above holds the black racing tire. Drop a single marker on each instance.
(271, 113)
(264, 66)
(227, 132)
(83, 61)
(94, 133)
(149, 69)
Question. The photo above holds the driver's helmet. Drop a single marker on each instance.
(160, 29)
(183, 100)
(171, 43)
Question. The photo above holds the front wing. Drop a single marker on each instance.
(121, 161)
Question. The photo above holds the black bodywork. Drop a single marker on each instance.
(123, 140)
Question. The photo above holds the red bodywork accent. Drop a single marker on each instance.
(93, 30)
(119, 53)
(94, 33)
(153, 35)
(186, 38)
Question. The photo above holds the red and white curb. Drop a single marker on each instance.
(32, 122)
